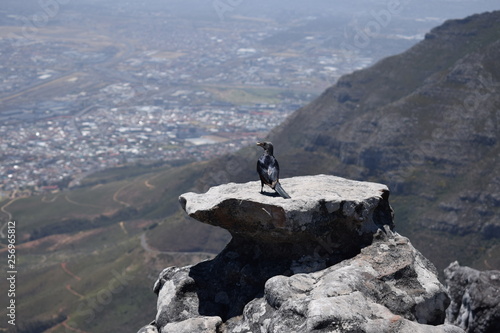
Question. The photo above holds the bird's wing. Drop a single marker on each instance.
(273, 171)
(268, 169)
(262, 170)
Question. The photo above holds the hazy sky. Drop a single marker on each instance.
(273, 9)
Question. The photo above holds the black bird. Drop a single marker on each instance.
(269, 170)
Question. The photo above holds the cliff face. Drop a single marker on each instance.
(325, 260)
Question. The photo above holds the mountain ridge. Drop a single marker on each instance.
(436, 137)
(425, 122)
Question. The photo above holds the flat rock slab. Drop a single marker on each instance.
(319, 204)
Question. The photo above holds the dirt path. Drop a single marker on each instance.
(145, 246)
(80, 204)
(65, 325)
(122, 226)
(2, 235)
(71, 290)
(7, 205)
(115, 196)
(65, 269)
(44, 199)
(148, 184)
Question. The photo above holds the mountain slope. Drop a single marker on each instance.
(425, 122)
(85, 258)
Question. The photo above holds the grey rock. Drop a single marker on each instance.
(356, 209)
(176, 298)
(388, 287)
(326, 260)
(151, 328)
(475, 298)
(192, 325)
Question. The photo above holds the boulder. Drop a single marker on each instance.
(325, 260)
(388, 287)
(475, 298)
(326, 213)
(151, 328)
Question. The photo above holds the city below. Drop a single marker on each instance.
(154, 88)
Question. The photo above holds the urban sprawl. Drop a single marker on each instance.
(73, 107)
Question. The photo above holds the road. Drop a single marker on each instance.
(148, 248)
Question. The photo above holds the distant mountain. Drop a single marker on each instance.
(425, 122)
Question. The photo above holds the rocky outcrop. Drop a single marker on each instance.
(326, 260)
(388, 287)
(475, 299)
(425, 122)
(325, 212)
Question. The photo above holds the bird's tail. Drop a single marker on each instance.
(281, 191)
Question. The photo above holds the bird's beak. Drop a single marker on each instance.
(260, 144)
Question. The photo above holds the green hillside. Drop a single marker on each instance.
(73, 245)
